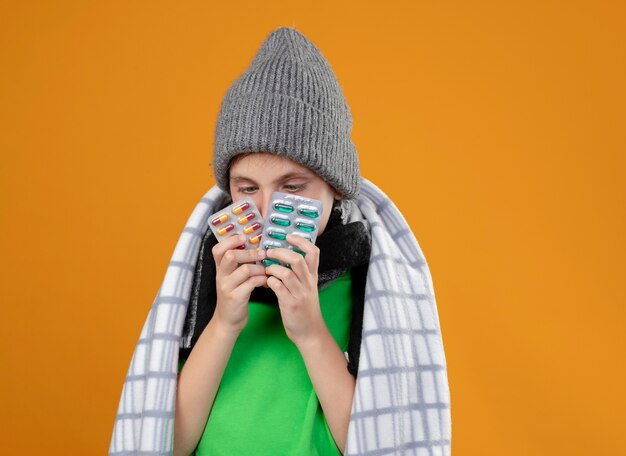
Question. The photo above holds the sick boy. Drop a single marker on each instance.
(265, 370)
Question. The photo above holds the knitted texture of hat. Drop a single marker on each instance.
(288, 102)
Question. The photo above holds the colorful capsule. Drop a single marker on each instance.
(305, 226)
(271, 245)
(297, 250)
(270, 261)
(225, 229)
(283, 207)
(280, 235)
(240, 208)
(256, 238)
(246, 218)
(241, 247)
(308, 212)
(280, 221)
(251, 228)
(219, 219)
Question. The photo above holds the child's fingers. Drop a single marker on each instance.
(231, 242)
(241, 274)
(228, 284)
(233, 258)
(295, 260)
(279, 288)
(311, 251)
(287, 277)
(252, 282)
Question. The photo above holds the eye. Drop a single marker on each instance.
(247, 190)
(293, 187)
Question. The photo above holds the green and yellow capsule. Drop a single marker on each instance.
(305, 226)
(280, 207)
(280, 221)
(308, 212)
(280, 235)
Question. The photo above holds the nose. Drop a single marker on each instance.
(263, 203)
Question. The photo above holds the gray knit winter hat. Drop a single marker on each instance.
(288, 102)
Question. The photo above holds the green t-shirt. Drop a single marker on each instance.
(266, 404)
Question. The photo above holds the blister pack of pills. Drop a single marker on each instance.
(241, 217)
(290, 214)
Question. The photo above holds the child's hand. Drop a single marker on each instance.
(235, 280)
(296, 289)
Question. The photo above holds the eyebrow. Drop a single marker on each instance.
(284, 177)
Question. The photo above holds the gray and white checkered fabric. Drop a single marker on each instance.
(401, 404)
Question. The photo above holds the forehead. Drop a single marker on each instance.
(267, 162)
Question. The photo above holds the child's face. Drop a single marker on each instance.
(260, 174)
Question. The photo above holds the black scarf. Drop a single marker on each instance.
(344, 245)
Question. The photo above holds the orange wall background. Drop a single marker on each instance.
(496, 127)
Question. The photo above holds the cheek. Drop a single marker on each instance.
(234, 193)
(237, 195)
(328, 205)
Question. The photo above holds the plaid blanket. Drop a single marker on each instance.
(401, 404)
